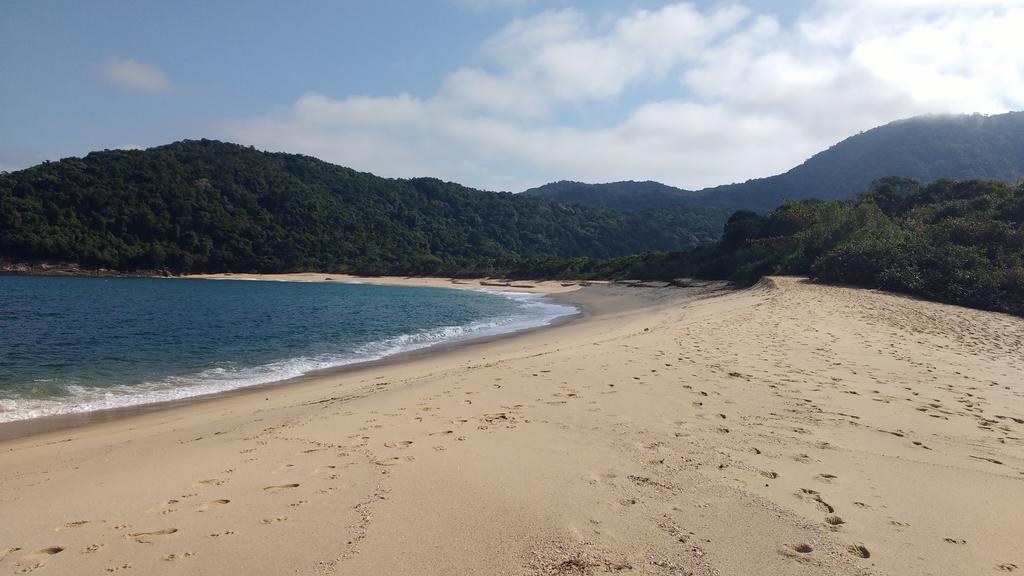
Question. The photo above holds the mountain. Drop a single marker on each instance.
(924, 148)
(627, 196)
(208, 206)
(955, 242)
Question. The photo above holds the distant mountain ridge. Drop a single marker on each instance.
(923, 148)
(627, 196)
(208, 206)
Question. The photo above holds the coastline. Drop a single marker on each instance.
(791, 428)
(500, 284)
(554, 291)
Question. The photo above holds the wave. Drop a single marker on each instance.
(534, 311)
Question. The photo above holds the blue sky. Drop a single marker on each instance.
(500, 94)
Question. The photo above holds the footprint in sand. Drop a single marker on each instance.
(815, 497)
(858, 550)
(400, 444)
(75, 524)
(147, 537)
(165, 507)
(93, 548)
(37, 559)
(800, 552)
(800, 548)
(834, 521)
(212, 504)
(274, 520)
(177, 556)
(280, 487)
(1007, 567)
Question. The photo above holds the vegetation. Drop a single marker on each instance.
(956, 242)
(206, 206)
(925, 149)
(627, 196)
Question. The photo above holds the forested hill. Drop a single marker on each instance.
(627, 196)
(207, 206)
(924, 149)
(956, 242)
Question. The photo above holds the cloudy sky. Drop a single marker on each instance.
(500, 94)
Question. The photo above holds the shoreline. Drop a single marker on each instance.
(57, 422)
(493, 284)
(791, 428)
(587, 306)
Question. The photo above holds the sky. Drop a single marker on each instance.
(500, 94)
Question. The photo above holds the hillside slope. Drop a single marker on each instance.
(207, 206)
(627, 196)
(955, 242)
(924, 148)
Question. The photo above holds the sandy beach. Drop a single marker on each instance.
(791, 428)
(535, 286)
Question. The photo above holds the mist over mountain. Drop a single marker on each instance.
(924, 149)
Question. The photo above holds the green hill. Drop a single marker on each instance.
(626, 196)
(956, 242)
(207, 206)
(925, 149)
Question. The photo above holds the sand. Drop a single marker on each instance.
(787, 429)
(537, 286)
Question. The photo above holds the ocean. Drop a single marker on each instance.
(75, 344)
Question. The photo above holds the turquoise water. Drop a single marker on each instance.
(81, 344)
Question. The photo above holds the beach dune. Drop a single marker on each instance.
(790, 428)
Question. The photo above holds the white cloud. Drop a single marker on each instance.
(752, 97)
(556, 52)
(131, 74)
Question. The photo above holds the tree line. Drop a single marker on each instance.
(207, 206)
(955, 242)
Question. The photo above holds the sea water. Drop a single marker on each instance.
(73, 344)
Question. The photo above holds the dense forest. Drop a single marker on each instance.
(956, 242)
(925, 149)
(207, 206)
(627, 196)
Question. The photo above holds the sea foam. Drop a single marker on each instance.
(534, 311)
